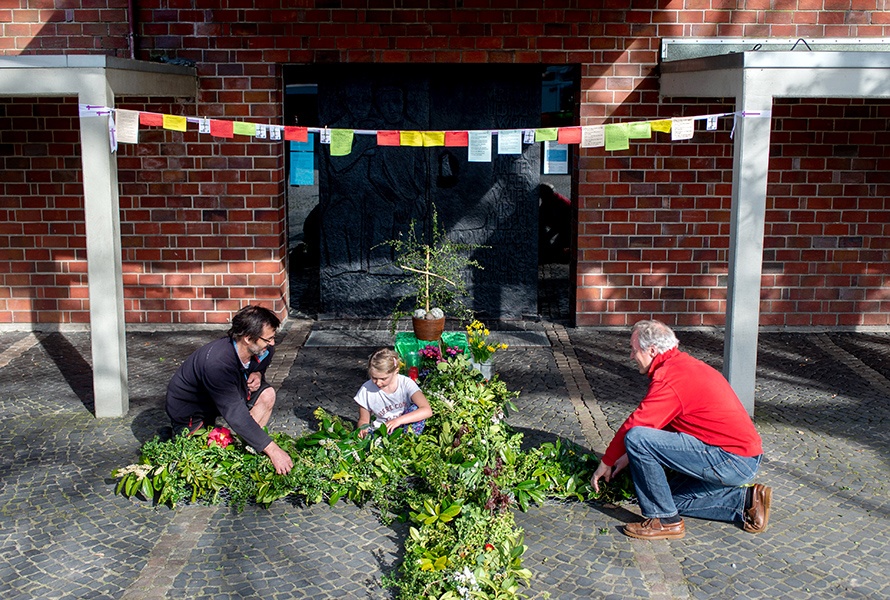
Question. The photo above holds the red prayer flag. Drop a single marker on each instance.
(223, 129)
(457, 138)
(148, 118)
(296, 134)
(388, 138)
(569, 135)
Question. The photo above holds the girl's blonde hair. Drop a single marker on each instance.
(383, 361)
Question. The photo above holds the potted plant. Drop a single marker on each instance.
(481, 348)
(433, 275)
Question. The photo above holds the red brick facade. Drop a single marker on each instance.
(203, 220)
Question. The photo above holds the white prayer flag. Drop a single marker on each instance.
(510, 142)
(127, 123)
(479, 149)
(593, 136)
(682, 128)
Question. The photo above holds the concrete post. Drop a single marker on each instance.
(748, 212)
(102, 213)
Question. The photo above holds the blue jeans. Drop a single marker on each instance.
(705, 482)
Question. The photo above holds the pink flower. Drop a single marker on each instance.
(221, 436)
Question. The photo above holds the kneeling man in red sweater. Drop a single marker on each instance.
(692, 423)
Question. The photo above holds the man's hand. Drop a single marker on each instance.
(253, 381)
(605, 472)
(281, 460)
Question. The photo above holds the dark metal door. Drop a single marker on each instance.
(375, 192)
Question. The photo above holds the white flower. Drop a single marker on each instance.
(141, 471)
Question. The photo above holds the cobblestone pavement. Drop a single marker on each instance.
(822, 407)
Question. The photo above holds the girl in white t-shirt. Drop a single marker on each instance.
(389, 397)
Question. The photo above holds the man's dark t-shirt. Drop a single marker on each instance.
(211, 382)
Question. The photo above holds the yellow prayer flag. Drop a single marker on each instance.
(548, 134)
(663, 125)
(174, 122)
(433, 138)
(242, 128)
(410, 138)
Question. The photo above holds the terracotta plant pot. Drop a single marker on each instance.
(428, 330)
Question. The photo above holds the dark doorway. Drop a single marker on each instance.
(375, 192)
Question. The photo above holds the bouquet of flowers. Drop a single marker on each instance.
(477, 339)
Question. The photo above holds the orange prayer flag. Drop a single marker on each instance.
(388, 138)
(148, 118)
(457, 138)
(569, 135)
(296, 134)
(222, 129)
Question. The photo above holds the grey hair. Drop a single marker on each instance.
(655, 334)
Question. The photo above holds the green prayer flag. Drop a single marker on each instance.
(616, 136)
(341, 141)
(242, 128)
(548, 134)
(640, 130)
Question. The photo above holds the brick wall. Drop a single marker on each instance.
(203, 221)
(42, 241)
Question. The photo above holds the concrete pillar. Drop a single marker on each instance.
(102, 212)
(749, 179)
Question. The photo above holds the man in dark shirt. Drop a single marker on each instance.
(227, 378)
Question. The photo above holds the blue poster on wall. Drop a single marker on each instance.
(302, 162)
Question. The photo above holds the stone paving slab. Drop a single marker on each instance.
(822, 406)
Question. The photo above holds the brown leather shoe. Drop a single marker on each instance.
(654, 529)
(757, 515)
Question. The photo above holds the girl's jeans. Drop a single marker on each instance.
(705, 482)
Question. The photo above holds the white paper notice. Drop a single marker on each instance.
(682, 128)
(127, 123)
(712, 123)
(593, 136)
(510, 142)
(479, 146)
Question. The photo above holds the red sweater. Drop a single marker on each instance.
(688, 396)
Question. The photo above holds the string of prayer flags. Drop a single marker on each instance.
(124, 127)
